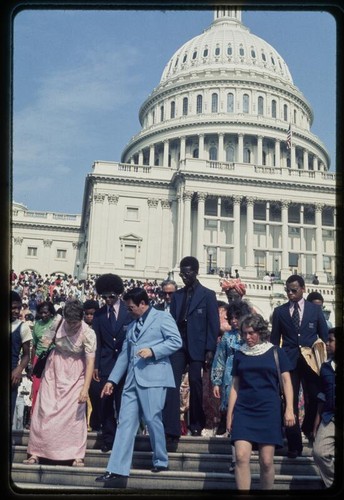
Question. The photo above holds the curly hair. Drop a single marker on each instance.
(258, 325)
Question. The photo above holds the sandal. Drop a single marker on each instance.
(31, 460)
(78, 462)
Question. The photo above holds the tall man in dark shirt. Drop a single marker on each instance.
(194, 307)
(297, 324)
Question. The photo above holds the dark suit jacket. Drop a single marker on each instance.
(109, 343)
(313, 326)
(203, 324)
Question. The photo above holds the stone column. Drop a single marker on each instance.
(166, 152)
(240, 148)
(201, 146)
(153, 234)
(151, 155)
(315, 163)
(260, 150)
(98, 229)
(285, 238)
(221, 148)
(165, 246)
(302, 240)
(277, 153)
(236, 231)
(182, 148)
(187, 197)
(112, 249)
(249, 233)
(292, 157)
(305, 159)
(319, 247)
(201, 197)
(141, 157)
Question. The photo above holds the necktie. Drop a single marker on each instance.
(296, 317)
(112, 317)
(139, 324)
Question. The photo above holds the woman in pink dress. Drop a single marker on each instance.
(58, 428)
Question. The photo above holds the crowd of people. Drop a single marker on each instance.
(173, 361)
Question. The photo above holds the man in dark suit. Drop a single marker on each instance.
(110, 323)
(194, 307)
(297, 324)
(168, 287)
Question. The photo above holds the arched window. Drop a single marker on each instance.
(173, 110)
(285, 112)
(185, 58)
(247, 155)
(230, 103)
(241, 51)
(230, 154)
(263, 56)
(214, 103)
(217, 51)
(273, 108)
(199, 104)
(153, 117)
(195, 153)
(229, 50)
(260, 105)
(205, 52)
(213, 153)
(253, 53)
(185, 106)
(245, 103)
(295, 115)
(161, 113)
(194, 55)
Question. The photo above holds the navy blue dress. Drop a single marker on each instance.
(257, 412)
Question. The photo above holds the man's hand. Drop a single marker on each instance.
(209, 356)
(107, 389)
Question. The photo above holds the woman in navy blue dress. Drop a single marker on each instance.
(254, 408)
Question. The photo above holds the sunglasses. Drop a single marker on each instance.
(292, 290)
(109, 296)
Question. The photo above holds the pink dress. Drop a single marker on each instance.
(58, 429)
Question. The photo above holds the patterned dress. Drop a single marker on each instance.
(58, 428)
(221, 371)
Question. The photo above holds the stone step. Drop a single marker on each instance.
(64, 478)
(184, 461)
(192, 444)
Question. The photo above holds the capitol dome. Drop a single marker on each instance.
(227, 45)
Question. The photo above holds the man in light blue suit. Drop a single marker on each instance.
(150, 340)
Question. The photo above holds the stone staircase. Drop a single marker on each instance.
(195, 463)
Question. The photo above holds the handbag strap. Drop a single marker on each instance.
(58, 326)
(278, 370)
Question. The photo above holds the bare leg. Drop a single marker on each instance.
(267, 468)
(243, 451)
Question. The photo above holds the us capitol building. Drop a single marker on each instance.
(225, 168)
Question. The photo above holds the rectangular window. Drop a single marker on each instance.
(132, 213)
(294, 214)
(210, 223)
(294, 231)
(32, 251)
(61, 254)
(130, 256)
(259, 211)
(293, 260)
(327, 216)
(210, 206)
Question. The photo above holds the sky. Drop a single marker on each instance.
(80, 77)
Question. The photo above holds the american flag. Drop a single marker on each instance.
(289, 134)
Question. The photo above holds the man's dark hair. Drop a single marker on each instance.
(15, 297)
(190, 262)
(238, 309)
(137, 295)
(109, 283)
(90, 304)
(296, 277)
(314, 296)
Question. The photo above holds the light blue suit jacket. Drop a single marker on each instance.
(160, 333)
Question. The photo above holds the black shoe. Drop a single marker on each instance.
(294, 454)
(196, 432)
(171, 439)
(105, 448)
(159, 468)
(108, 476)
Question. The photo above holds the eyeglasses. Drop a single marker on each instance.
(109, 296)
(292, 290)
(167, 293)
